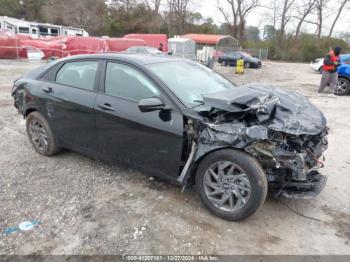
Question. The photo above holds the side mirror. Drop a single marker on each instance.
(151, 104)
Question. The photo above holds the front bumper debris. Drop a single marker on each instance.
(307, 189)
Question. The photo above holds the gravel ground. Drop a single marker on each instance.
(90, 207)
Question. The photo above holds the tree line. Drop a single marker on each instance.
(284, 35)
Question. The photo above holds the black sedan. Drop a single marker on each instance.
(230, 59)
(178, 120)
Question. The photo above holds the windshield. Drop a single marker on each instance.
(189, 81)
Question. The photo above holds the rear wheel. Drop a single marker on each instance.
(320, 70)
(40, 135)
(343, 87)
(231, 184)
(247, 65)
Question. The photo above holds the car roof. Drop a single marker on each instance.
(344, 56)
(143, 59)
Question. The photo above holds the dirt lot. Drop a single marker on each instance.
(89, 207)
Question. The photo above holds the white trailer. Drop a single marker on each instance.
(38, 30)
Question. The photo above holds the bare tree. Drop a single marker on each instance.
(245, 7)
(153, 5)
(126, 4)
(320, 11)
(320, 6)
(88, 14)
(303, 11)
(343, 4)
(177, 12)
(237, 15)
(232, 18)
(285, 17)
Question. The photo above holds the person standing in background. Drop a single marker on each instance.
(160, 47)
(329, 72)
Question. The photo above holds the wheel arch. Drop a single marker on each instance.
(344, 76)
(199, 158)
(29, 110)
(33, 107)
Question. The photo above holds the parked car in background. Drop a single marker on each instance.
(181, 121)
(34, 54)
(343, 87)
(317, 64)
(230, 59)
(143, 50)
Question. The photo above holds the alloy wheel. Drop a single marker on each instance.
(341, 87)
(38, 135)
(227, 186)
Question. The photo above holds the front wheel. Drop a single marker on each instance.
(40, 135)
(231, 184)
(247, 65)
(343, 87)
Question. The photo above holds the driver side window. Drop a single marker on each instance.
(126, 82)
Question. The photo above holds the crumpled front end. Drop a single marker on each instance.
(282, 129)
(292, 163)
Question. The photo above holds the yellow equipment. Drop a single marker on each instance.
(240, 66)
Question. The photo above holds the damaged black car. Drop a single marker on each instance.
(180, 121)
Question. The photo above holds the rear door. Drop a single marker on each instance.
(151, 141)
(69, 102)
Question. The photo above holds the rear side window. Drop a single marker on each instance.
(78, 74)
(127, 82)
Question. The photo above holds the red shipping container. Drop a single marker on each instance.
(121, 44)
(84, 45)
(152, 40)
(49, 48)
(10, 46)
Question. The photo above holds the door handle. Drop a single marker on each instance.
(106, 107)
(48, 90)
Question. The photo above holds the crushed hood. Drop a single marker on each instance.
(270, 107)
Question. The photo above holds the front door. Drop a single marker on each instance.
(151, 141)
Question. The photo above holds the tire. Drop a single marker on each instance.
(247, 65)
(39, 131)
(222, 63)
(320, 70)
(248, 168)
(343, 88)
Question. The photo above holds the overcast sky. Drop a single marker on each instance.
(263, 16)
